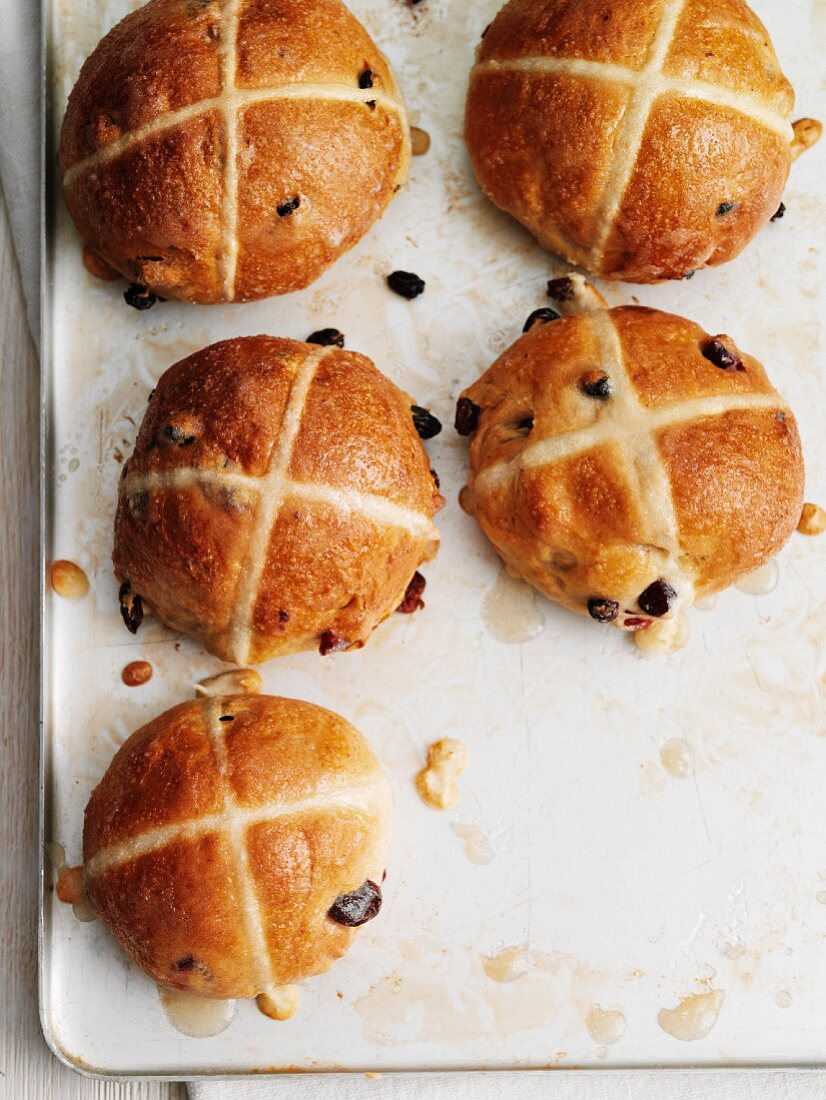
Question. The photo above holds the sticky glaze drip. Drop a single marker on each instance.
(507, 965)
(197, 1017)
(694, 1017)
(675, 756)
(511, 611)
(605, 1025)
(665, 635)
(477, 846)
(762, 581)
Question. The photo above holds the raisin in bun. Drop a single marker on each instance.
(641, 139)
(625, 462)
(235, 843)
(225, 150)
(278, 499)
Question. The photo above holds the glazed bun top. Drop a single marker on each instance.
(221, 150)
(234, 844)
(278, 498)
(625, 462)
(641, 139)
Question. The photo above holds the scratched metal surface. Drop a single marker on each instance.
(626, 886)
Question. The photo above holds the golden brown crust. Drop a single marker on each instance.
(686, 471)
(551, 131)
(186, 903)
(200, 193)
(353, 520)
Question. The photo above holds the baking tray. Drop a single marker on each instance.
(618, 882)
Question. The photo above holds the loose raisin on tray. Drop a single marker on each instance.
(131, 607)
(425, 423)
(406, 284)
(467, 416)
(657, 599)
(603, 610)
(358, 907)
(413, 595)
(561, 290)
(595, 383)
(725, 208)
(366, 79)
(288, 207)
(331, 643)
(717, 353)
(778, 214)
(327, 337)
(139, 297)
(542, 316)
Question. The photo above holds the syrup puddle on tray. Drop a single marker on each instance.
(694, 1017)
(507, 965)
(197, 1017)
(675, 756)
(511, 611)
(605, 1025)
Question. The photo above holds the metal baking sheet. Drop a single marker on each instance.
(618, 882)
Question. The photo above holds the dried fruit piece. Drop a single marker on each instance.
(406, 284)
(288, 207)
(238, 681)
(131, 607)
(366, 78)
(69, 887)
(437, 782)
(327, 337)
(413, 595)
(778, 214)
(602, 609)
(331, 643)
(542, 316)
(173, 434)
(561, 290)
(725, 208)
(136, 673)
(812, 520)
(657, 599)
(467, 416)
(636, 623)
(419, 141)
(139, 297)
(358, 907)
(595, 383)
(68, 579)
(426, 424)
(717, 353)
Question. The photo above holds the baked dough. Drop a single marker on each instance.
(641, 139)
(624, 463)
(225, 150)
(223, 835)
(278, 499)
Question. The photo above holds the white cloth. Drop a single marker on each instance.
(20, 135)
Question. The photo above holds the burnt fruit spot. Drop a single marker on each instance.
(413, 595)
(406, 284)
(288, 207)
(657, 599)
(595, 383)
(331, 643)
(172, 434)
(131, 607)
(778, 214)
(725, 208)
(467, 416)
(139, 297)
(603, 610)
(689, 275)
(327, 337)
(435, 477)
(366, 78)
(540, 316)
(425, 423)
(283, 616)
(186, 963)
(717, 353)
(561, 290)
(358, 907)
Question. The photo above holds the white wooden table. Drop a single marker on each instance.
(28, 1071)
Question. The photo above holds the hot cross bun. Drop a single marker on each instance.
(640, 139)
(236, 843)
(279, 498)
(225, 150)
(625, 462)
